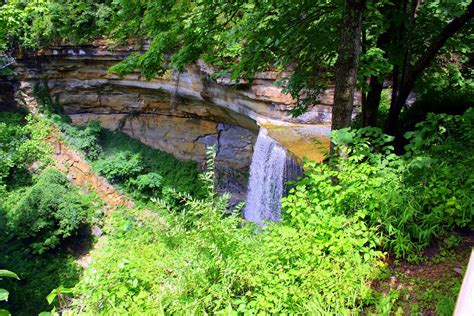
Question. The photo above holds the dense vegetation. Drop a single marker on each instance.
(39, 211)
(141, 171)
(45, 221)
(412, 198)
(324, 254)
(395, 184)
(186, 248)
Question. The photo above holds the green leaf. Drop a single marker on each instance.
(345, 136)
(4, 312)
(8, 274)
(57, 291)
(51, 296)
(3, 295)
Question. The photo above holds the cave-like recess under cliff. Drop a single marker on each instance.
(180, 112)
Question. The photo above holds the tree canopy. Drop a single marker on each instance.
(405, 44)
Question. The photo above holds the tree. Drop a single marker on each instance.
(347, 64)
(410, 73)
(412, 36)
(402, 39)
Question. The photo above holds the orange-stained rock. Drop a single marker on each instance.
(83, 167)
(79, 172)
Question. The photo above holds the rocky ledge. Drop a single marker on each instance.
(180, 112)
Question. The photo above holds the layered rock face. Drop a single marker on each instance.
(180, 113)
(8, 87)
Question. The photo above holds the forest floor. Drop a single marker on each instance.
(431, 286)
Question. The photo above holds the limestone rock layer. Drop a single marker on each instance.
(180, 112)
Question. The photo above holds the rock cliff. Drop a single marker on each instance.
(180, 112)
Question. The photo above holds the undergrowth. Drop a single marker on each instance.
(40, 214)
(138, 169)
(194, 255)
(187, 252)
(206, 260)
(412, 199)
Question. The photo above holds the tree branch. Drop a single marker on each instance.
(449, 30)
(413, 72)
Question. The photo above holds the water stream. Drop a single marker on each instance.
(270, 169)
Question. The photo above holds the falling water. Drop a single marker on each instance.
(270, 169)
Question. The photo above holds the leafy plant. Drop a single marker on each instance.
(22, 142)
(148, 185)
(48, 212)
(85, 139)
(121, 167)
(413, 198)
(182, 176)
(4, 293)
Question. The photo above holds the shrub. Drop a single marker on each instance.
(85, 139)
(120, 167)
(21, 144)
(48, 212)
(149, 185)
(413, 198)
(183, 176)
(121, 159)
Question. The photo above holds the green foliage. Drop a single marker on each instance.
(37, 210)
(4, 293)
(203, 260)
(47, 213)
(142, 171)
(121, 167)
(242, 38)
(413, 198)
(86, 139)
(21, 143)
(39, 274)
(33, 24)
(148, 185)
(182, 176)
(453, 95)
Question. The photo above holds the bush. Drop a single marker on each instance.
(85, 139)
(122, 159)
(412, 199)
(183, 176)
(48, 212)
(120, 167)
(21, 143)
(149, 185)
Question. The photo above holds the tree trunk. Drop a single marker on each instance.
(370, 109)
(347, 64)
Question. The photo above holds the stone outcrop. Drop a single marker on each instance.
(80, 173)
(180, 112)
(8, 87)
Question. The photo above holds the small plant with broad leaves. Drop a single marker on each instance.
(4, 293)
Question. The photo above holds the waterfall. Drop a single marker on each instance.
(270, 169)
